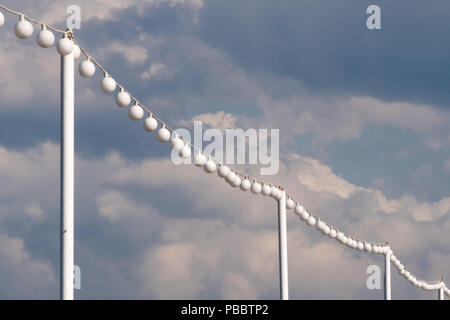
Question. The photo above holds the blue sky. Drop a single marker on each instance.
(364, 131)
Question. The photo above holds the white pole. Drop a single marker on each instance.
(67, 178)
(441, 293)
(387, 275)
(282, 248)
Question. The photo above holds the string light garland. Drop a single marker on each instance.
(67, 44)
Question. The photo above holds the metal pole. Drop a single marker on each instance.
(441, 293)
(387, 275)
(282, 248)
(67, 178)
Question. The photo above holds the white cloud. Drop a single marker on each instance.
(219, 120)
(155, 69)
(34, 211)
(343, 118)
(22, 275)
(320, 178)
(132, 53)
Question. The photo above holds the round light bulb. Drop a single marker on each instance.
(200, 159)
(311, 221)
(320, 225)
(332, 234)
(150, 124)
(223, 171)
(87, 68)
(45, 38)
(136, 112)
(210, 166)
(245, 185)
(298, 209)
(177, 144)
(64, 46)
(360, 246)
(304, 215)
(290, 204)
(326, 231)
(163, 135)
(23, 29)
(108, 84)
(256, 188)
(123, 99)
(236, 182)
(2, 19)
(230, 178)
(266, 190)
(274, 192)
(185, 152)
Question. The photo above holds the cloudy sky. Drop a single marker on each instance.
(364, 123)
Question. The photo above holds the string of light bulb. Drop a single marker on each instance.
(67, 44)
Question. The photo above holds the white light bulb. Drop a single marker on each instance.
(236, 182)
(274, 192)
(150, 124)
(266, 190)
(200, 159)
(326, 231)
(340, 236)
(304, 215)
(177, 144)
(108, 84)
(136, 112)
(163, 135)
(311, 221)
(290, 204)
(185, 152)
(299, 209)
(123, 99)
(279, 194)
(245, 185)
(64, 46)
(230, 178)
(23, 29)
(45, 38)
(87, 68)
(332, 234)
(2, 19)
(210, 166)
(367, 247)
(320, 225)
(223, 171)
(344, 240)
(256, 188)
(360, 246)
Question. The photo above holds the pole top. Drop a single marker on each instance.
(69, 33)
